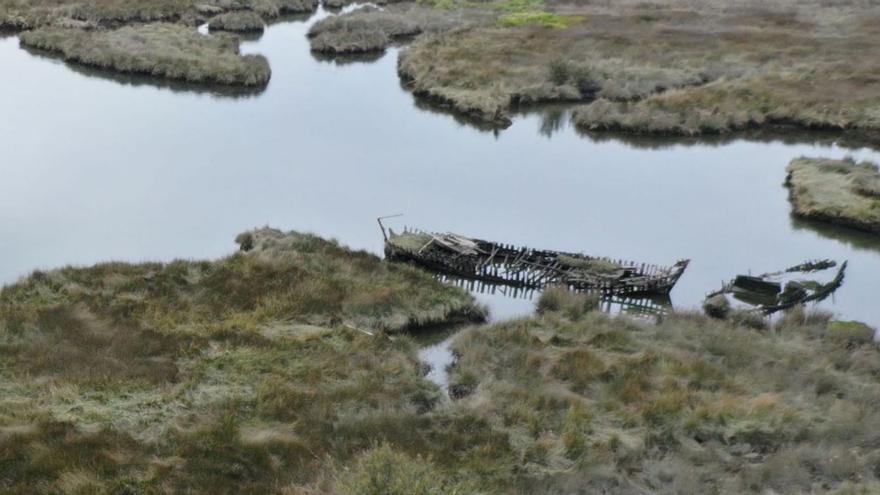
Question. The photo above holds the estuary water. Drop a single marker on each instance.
(97, 167)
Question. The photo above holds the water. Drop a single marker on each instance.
(435, 351)
(97, 167)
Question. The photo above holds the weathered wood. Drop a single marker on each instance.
(527, 268)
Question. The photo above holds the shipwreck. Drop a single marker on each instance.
(777, 291)
(528, 268)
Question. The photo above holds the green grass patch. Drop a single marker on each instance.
(539, 18)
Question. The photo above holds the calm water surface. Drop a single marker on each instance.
(96, 167)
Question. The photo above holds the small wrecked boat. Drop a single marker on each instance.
(525, 267)
(777, 291)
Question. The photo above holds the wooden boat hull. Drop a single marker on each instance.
(534, 269)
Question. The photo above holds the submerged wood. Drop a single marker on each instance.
(768, 295)
(529, 268)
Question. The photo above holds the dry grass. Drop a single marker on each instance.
(369, 29)
(162, 50)
(679, 67)
(240, 22)
(836, 191)
(244, 375)
(30, 14)
(692, 405)
(561, 300)
(411, 241)
(361, 31)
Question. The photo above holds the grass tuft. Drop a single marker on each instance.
(564, 301)
(239, 22)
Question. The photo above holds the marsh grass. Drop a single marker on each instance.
(384, 471)
(561, 299)
(836, 191)
(369, 29)
(692, 403)
(685, 69)
(31, 14)
(162, 50)
(853, 333)
(250, 374)
(241, 22)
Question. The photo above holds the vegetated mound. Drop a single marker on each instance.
(689, 405)
(162, 50)
(842, 192)
(683, 69)
(242, 375)
(338, 4)
(261, 373)
(297, 6)
(267, 9)
(17, 14)
(290, 277)
(241, 22)
(361, 31)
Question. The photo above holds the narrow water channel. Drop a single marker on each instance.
(98, 167)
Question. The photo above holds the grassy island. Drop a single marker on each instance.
(30, 14)
(842, 192)
(364, 30)
(369, 29)
(670, 68)
(282, 369)
(164, 50)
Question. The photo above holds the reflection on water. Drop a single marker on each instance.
(438, 356)
(856, 239)
(773, 135)
(527, 297)
(98, 167)
(348, 59)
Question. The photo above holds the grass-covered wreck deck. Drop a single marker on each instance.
(530, 268)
